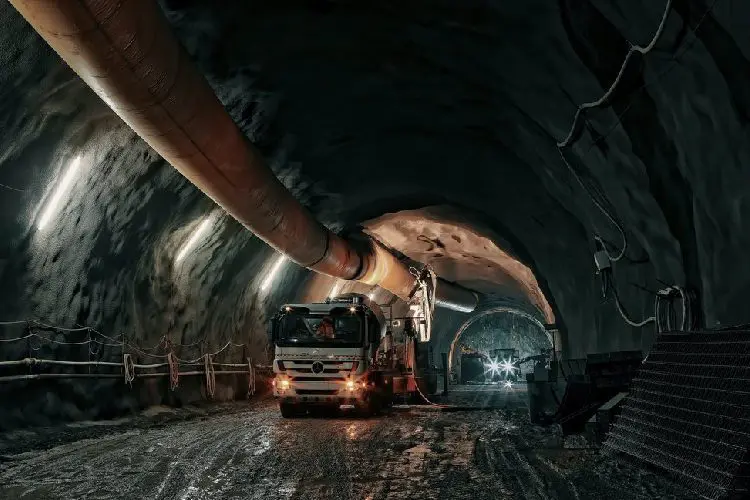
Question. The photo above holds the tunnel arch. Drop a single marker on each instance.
(480, 221)
(488, 312)
(461, 251)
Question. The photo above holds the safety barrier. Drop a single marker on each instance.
(129, 368)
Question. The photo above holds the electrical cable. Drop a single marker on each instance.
(148, 354)
(623, 313)
(17, 338)
(45, 325)
(114, 342)
(251, 377)
(11, 188)
(128, 368)
(94, 352)
(196, 360)
(59, 342)
(174, 371)
(579, 115)
(603, 210)
(427, 400)
(685, 47)
(210, 376)
(608, 94)
(664, 316)
(173, 362)
(685, 307)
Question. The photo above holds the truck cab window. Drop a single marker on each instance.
(299, 329)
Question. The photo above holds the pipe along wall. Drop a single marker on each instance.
(128, 54)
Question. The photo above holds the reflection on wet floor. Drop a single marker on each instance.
(410, 452)
(485, 396)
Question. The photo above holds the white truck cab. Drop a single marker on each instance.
(327, 355)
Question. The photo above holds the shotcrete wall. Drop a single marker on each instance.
(366, 108)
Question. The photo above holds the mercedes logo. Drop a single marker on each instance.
(317, 367)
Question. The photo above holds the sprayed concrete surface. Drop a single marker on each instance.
(248, 451)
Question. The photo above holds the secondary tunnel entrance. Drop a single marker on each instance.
(495, 328)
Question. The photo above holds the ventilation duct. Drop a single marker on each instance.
(128, 54)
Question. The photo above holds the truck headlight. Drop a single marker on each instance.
(282, 384)
(350, 385)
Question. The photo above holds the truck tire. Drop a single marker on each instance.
(289, 410)
(376, 404)
(387, 401)
(370, 405)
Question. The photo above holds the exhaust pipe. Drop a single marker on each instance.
(128, 54)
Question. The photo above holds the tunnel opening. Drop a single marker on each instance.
(519, 333)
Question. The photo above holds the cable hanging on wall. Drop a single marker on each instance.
(577, 126)
(164, 344)
(210, 375)
(33, 333)
(665, 316)
(128, 368)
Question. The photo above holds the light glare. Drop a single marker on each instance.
(271, 275)
(197, 235)
(62, 188)
(507, 367)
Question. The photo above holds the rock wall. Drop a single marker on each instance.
(107, 256)
(369, 108)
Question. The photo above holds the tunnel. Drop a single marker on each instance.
(551, 187)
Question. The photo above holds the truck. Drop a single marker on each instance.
(340, 353)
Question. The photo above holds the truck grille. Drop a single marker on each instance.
(316, 392)
(318, 379)
(309, 370)
(296, 366)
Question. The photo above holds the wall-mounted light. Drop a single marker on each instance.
(272, 274)
(62, 188)
(198, 234)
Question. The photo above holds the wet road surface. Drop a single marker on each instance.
(249, 452)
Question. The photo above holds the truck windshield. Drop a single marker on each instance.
(341, 330)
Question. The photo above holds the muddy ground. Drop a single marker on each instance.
(247, 451)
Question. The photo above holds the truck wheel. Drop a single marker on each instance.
(370, 405)
(376, 404)
(288, 410)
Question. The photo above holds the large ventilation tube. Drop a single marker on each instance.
(127, 53)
